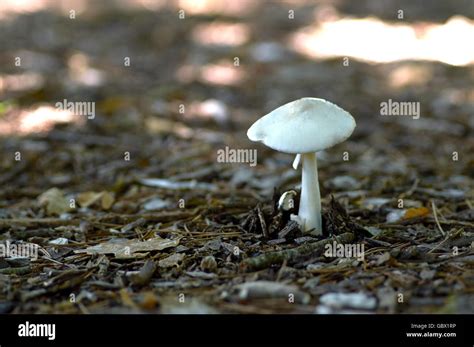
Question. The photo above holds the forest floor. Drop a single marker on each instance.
(133, 212)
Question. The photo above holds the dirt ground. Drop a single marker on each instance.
(133, 212)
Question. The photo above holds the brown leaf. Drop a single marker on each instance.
(416, 212)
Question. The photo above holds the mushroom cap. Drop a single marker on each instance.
(303, 126)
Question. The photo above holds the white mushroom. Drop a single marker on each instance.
(286, 201)
(304, 127)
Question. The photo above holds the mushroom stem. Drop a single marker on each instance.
(310, 202)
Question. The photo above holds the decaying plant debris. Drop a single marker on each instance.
(158, 225)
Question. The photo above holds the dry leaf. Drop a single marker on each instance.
(172, 260)
(107, 200)
(88, 198)
(124, 248)
(145, 274)
(149, 301)
(54, 201)
(383, 258)
(416, 212)
(126, 299)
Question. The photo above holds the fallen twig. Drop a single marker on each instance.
(433, 206)
(290, 255)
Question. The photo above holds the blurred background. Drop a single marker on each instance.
(168, 76)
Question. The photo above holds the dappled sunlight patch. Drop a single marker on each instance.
(373, 40)
(221, 33)
(39, 119)
(11, 8)
(81, 72)
(221, 73)
(232, 8)
(209, 109)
